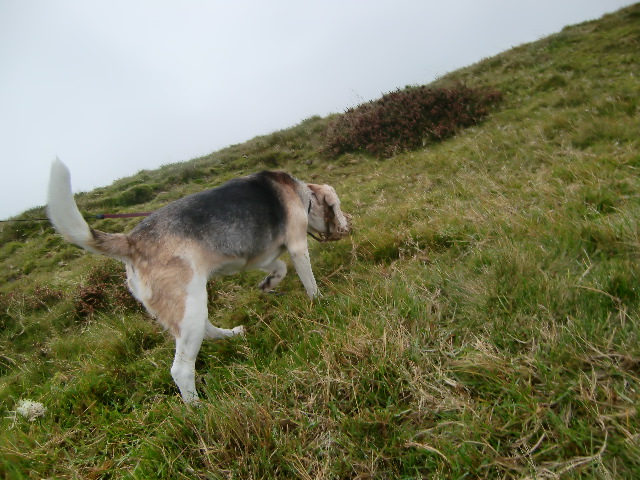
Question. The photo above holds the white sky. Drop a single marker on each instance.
(116, 86)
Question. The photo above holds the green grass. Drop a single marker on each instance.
(482, 321)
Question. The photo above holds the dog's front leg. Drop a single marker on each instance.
(300, 258)
(277, 270)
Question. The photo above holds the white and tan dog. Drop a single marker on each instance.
(246, 223)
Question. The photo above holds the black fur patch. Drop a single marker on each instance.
(242, 217)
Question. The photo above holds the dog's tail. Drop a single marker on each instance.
(69, 222)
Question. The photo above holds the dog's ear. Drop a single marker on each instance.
(337, 223)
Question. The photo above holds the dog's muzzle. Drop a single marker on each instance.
(334, 230)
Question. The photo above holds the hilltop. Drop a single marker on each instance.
(482, 321)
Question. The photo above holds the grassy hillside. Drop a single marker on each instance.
(482, 321)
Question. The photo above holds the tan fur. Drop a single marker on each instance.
(158, 274)
(327, 206)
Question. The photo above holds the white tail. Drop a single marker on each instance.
(69, 222)
(63, 211)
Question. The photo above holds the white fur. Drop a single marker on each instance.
(62, 208)
(277, 271)
(188, 342)
(194, 328)
(302, 264)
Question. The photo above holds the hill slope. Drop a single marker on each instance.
(481, 321)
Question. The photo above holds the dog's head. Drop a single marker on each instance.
(327, 223)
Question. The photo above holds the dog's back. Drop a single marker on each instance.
(241, 218)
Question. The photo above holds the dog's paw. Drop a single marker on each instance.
(239, 330)
(265, 285)
(192, 400)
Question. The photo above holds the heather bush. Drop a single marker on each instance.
(104, 289)
(409, 118)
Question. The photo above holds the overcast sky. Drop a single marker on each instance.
(112, 87)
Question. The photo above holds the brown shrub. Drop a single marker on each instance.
(406, 119)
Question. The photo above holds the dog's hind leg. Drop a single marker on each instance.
(215, 333)
(177, 297)
(276, 270)
(189, 338)
(195, 327)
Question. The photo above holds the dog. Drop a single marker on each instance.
(245, 223)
